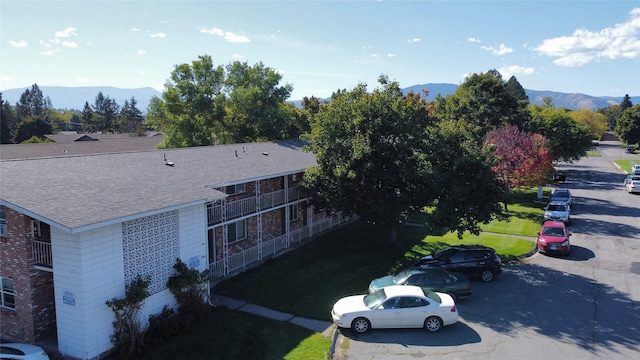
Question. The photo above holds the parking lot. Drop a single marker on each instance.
(585, 306)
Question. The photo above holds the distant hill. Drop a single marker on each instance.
(74, 98)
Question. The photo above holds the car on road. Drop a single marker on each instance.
(635, 169)
(470, 260)
(553, 237)
(632, 185)
(557, 210)
(563, 195)
(430, 279)
(396, 306)
(22, 352)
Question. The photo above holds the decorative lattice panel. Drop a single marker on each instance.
(151, 248)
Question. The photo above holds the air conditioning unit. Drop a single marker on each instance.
(35, 229)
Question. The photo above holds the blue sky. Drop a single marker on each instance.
(590, 47)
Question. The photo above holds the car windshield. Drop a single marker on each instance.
(553, 231)
(561, 194)
(375, 298)
(556, 207)
(433, 296)
(402, 276)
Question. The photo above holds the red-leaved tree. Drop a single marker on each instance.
(522, 158)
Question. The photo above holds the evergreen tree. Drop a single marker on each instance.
(625, 104)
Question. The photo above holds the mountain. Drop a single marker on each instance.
(573, 101)
(74, 98)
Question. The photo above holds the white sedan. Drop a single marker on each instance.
(397, 306)
(16, 351)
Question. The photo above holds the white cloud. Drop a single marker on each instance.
(158, 35)
(18, 44)
(213, 31)
(501, 50)
(391, 55)
(414, 40)
(82, 80)
(237, 56)
(69, 44)
(585, 46)
(66, 32)
(89, 43)
(473, 40)
(231, 37)
(142, 52)
(228, 36)
(49, 52)
(515, 70)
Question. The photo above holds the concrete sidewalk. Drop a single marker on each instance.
(326, 328)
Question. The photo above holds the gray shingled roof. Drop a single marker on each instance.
(79, 192)
(67, 146)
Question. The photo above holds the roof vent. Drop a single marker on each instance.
(167, 162)
(265, 153)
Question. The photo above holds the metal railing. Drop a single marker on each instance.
(274, 247)
(242, 207)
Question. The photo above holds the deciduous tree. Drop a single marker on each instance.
(595, 122)
(568, 139)
(521, 158)
(628, 127)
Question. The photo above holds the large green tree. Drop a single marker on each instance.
(628, 127)
(486, 101)
(594, 121)
(205, 104)
(131, 117)
(381, 156)
(568, 139)
(7, 121)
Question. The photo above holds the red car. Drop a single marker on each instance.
(554, 238)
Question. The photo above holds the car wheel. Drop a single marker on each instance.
(361, 325)
(486, 275)
(453, 296)
(432, 324)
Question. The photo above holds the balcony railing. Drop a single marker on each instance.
(42, 253)
(238, 208)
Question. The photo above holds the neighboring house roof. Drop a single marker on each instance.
(77, 193)
(77, 144)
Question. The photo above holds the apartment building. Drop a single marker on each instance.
(77, 226)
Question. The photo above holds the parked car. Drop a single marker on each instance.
(557, 210)
(553, 237)
(635, 169)
(563, 195)
(631, 149)
(22, 351)
(471, 260)
(632, 185)
(430, 279)
(397, 306)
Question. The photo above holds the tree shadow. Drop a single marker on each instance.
(557, 305)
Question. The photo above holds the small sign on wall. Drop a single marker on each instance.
(69, 298)
(194, 262)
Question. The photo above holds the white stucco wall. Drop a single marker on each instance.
(89, 270)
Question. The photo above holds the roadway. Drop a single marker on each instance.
(584, 306)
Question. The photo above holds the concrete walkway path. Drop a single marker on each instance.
(326, 328)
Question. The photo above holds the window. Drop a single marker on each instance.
(238, 231)
(235, 189)
(7, 295)
(3, 221)
(293, 212)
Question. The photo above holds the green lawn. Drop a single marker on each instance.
(229, 334)
(626, 164)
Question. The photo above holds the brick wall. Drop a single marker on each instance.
(34, 315)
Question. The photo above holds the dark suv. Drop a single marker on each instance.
(472, 260)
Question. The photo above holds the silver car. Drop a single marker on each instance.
(558, 210)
